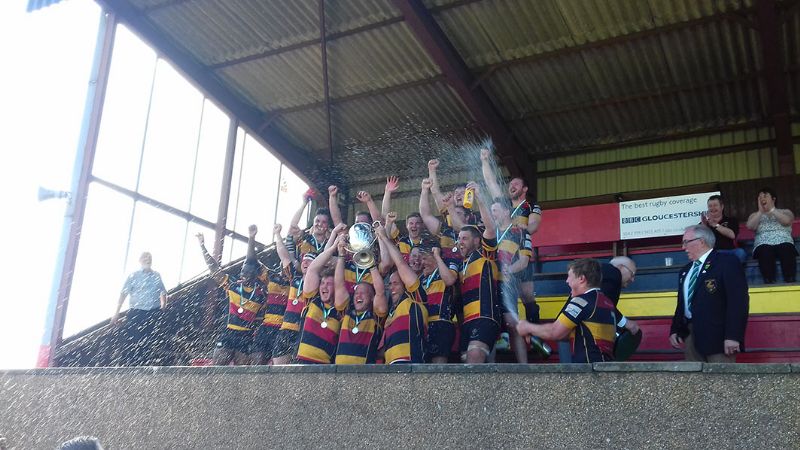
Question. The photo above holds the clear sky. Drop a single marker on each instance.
(47, 58)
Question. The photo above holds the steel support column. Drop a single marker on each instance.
(323, 44)
(445, 55)
(768, 30)
(225, 191)
(82, 171)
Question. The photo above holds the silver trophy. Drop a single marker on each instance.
(361, 238)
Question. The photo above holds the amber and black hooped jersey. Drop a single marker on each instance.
(405, 244)
(359, 337)
(309, 244)
(320, 331)
(439, 296)
(448, 240)
(512, 242)
(406, 326)
(478, 276)
(520, 215)
(295, 303)
(277, 293)
(249, 299)
(353, 275)
(591, 318)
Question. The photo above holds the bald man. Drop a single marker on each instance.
(618, 274)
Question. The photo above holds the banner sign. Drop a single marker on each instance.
(665, 216)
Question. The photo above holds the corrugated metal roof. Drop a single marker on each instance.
(562, 74)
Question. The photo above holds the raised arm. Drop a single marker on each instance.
(213, 264)
(455, 220)
(280, 247)
(380, 304)
(297, 215)
(365, 198)
(312, 277)
(431, 222)
(754, 219)
(488, 174)
(491, 231)
(333, 204)
(445, 273)
(435, 190)
(784, 216)
(342, 296)
(252, 230)
(337, 230)
(407, 275)
(392, 184)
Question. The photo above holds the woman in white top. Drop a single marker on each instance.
(773, 241)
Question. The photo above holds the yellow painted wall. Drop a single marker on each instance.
(728, 167)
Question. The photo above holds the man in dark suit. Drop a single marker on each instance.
(713, 301)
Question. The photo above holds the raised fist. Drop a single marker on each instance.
(433, 164)
(363, 196)
(485, 153)
(426, 184)
(200, 238)
(277, 229)
(252, 230)
(333, 190)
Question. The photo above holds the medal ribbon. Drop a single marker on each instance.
(359, 319)
(430, 278)
(360, 274)
(242, 301)
(326, 312)
(501, 236)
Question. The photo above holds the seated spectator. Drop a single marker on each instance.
(773, 241)
(725, 228)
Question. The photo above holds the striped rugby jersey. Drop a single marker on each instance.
(277, 294)
(249, 298)
(591, 318)
(295, 303)
(318, 343)
(406, 327)
(478, 276)
(359, 337)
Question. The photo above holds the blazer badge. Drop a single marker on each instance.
(711, 286)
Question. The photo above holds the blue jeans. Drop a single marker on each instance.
(737, 252)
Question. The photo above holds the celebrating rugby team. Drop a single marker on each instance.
(442, 292)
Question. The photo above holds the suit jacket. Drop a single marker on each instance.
(720, 304)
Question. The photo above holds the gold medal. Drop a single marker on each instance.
(240, 310)
(355, 330)
(324, 325)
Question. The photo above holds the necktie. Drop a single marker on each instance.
(693, 282)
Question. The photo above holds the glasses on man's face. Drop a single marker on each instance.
(685, 241)
(633, 274)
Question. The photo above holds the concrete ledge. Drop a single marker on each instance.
(374, 368)
(610, 405)
(746, 368)
(302, 368)
(648, 367)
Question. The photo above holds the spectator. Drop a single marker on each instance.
(147, 297)
(773, 241)
(725, 228)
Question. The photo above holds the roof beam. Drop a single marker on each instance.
(775, 80)
(250, 117)
(444, 54)
(330, 37)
